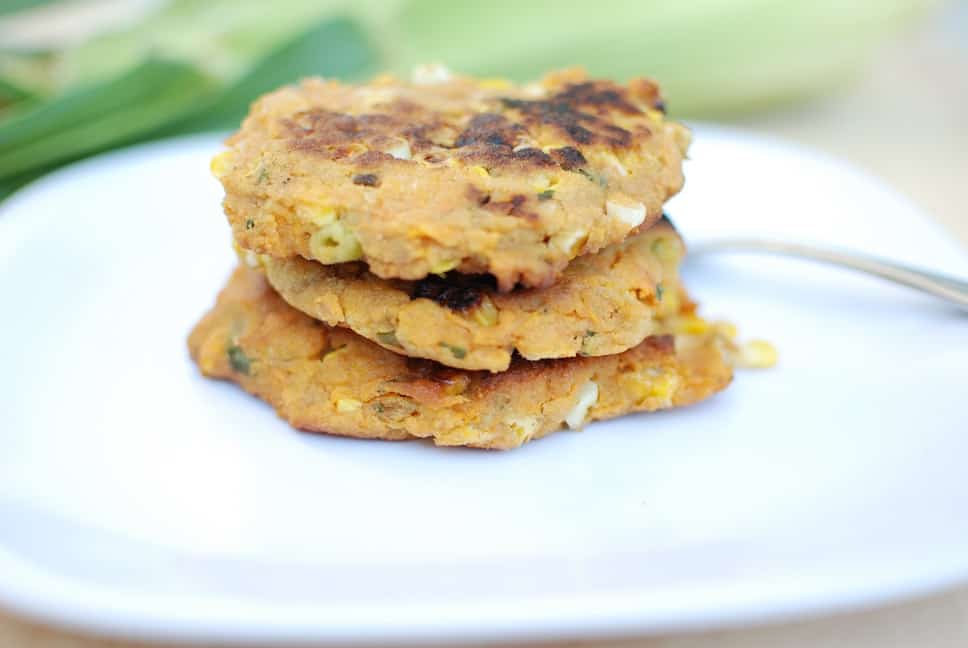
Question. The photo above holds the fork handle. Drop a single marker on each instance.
(950, 289)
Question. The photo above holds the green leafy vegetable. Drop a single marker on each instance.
(333, 48)
(90, 120)
(161, 95)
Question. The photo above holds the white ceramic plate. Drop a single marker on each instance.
(137, 498)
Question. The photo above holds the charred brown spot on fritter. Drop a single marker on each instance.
(533, 156)
(569, 158)
(514, 206)
(492, 156)
(663, 343)
(336, 135)
(581, 112)
(498, 139)
(428, 369)
(489, 128)
(372, 158)
(489, 140)
(426, 380)
(349, 270)
(367, 179)
(598, 94)
(477, 196)
(455, 291)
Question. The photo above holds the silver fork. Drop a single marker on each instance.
(951, 290)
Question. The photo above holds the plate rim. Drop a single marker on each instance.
(40, 598)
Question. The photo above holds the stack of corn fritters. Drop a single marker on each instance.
(464, 260)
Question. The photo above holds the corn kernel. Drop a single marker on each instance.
(456, 384)
(569, 242)
(485, 313)
(335, 243)
(587, 396)
(431, 74)
(616, 164)
(524, 428)
(631, 215)
(689, 324)
(665, 250)
(481, 171)
(494, 84)
(440, 267)
(664, 387)
(400, 150)
(671, 301)
(318, 216)
(221, 163)
(248, 257)
(534, 90)
(661, 387)
(252, 259)
(756, 354)
(541, 182)
(726, 330)
(346, 405)
(333, 353)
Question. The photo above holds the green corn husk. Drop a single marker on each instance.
(713, 57)
(95, 117)
(154, 80)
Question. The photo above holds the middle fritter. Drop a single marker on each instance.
(604, 303)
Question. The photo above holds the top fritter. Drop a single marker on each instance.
(451, 173)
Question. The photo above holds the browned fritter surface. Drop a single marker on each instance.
(603, 303)
(331, 380)
(474, 175)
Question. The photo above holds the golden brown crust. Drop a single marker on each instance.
(463, 174)
(604, 303)
(331, 380)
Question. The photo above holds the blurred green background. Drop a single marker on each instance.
(82, 76)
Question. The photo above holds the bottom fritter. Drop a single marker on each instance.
(326, 379)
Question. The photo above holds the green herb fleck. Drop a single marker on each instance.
(547, 194)
(659, 291)
(249, 224)
(599, 180)
(388, 337)
(379, 407)
(262, 176)
(589, 334)
(239, 361)
(458, 352)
